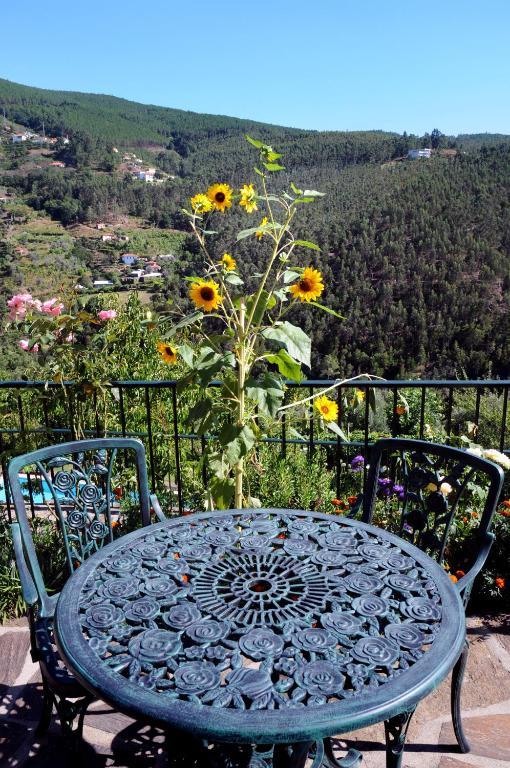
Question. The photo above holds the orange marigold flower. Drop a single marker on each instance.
(500, 582)
(453, 578)
(336, 502)
(459, 574)
(506, 503)
(352, 499)
(400, 410)
(474, 515)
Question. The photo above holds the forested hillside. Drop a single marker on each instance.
(415, 254)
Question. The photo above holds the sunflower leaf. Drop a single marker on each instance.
(306, 244)
(273, 167)
(295, 189)
(195, 317)
(267, 393)
(236, 441)
(333, 426)
(234, 279)
(295, 341)
(287, 366)
(328, 310)
(266, 301)
(255, 142)
(313, 193)
(289, 276)
(187, 354)
(201, 416)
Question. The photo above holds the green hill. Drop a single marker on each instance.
(416, 254)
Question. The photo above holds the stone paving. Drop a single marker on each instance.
(111, 739)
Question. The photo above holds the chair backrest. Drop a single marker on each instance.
(72, 483)
(425, 489)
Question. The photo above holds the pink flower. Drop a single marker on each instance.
(18, 305)
(51, 307)
(25, 345)
(107, 314)
(70, 338)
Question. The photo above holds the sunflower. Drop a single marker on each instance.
(167, 352)
(327, 408)
(259, 233)
(228, 262)
(309, 287)
(220, 196)
(205, 295)
(201, 204)
(248, 199)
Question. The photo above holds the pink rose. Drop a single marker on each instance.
(51, 307)
(107, 314)
(25, 345)
(18, 305)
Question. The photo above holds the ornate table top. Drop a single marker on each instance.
(260, 626)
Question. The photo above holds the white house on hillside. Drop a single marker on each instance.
(414, 154)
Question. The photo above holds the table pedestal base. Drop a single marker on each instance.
(200, 754)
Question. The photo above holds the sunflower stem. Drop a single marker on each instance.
(241, 377)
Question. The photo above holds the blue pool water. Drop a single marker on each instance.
(40, 491)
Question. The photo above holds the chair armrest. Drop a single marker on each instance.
(157, 508)
(28, 588)
(466, 581)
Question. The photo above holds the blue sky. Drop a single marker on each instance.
(328, 64)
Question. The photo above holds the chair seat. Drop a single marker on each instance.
(53, 668)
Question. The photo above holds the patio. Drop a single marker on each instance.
(111, 739)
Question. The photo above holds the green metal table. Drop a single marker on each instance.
(272, 629)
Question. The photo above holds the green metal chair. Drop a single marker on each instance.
(420, 490)
(76, 481)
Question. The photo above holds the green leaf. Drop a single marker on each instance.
(281, 294)
(266, 301)
(295, 341)
(271, 156)
(236, 441)
(327, 309)
(254, 503)
(267, 393)
(257, 170)
(306, 244)
(295, 189)
(255, 142)
(195, 317)
(286, 365)
(333, 426)
(289, 276)
(201, 416)
(273, 167)
(313, 193)
(234, 279)
(187, 354)
(222, 492)
(299, 200)
(249, 232)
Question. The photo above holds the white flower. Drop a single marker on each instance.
(475, 450)
(445, 488)
(499, 458)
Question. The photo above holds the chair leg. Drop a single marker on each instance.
(352, 759)
(457, 679)
(47, 710)
(71, 715)
(396, 732)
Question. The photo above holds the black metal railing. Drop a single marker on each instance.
(37, 413)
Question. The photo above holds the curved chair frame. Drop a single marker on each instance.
(72, 492)
(432, 521)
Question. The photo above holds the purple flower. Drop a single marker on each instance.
(357, 463)
(398, 489)
(384, 482)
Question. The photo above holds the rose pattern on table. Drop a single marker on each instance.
(281, 611)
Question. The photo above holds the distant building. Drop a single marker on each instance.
(17, 137)
(108, 238)
(147, 176)
(100, 225)
(129, 259)
(150, 275)
(123, 238)
(414, 154)
(58, 164)
(102, 283)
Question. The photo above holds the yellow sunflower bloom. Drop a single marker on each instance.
(327, 408)
(309, 287)
(228, 262)
(220, 196)
(259, 234)
(167, 352)
(248, 199)
(201, 204)
(205, 295)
